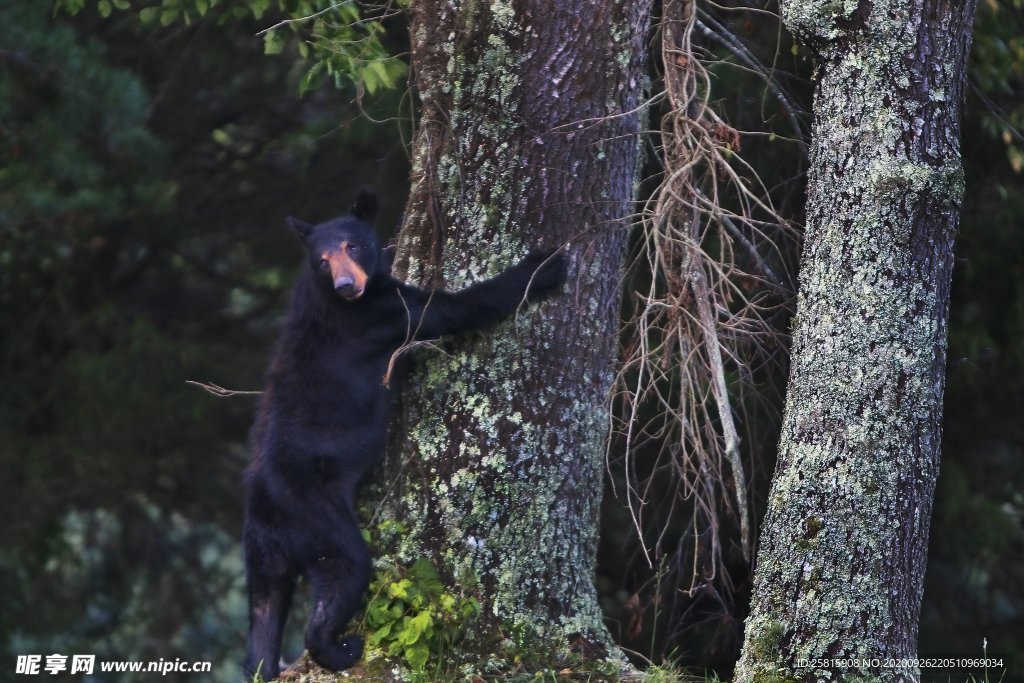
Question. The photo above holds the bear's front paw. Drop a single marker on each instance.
(339, 654)
(353, 645)
(548, 271)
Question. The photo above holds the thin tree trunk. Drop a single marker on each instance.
(842, 555)
(528, 138)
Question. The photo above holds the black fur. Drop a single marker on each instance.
(322, 418)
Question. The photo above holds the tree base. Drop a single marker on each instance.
(523, 667)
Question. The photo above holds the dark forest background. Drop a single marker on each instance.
(145, 174)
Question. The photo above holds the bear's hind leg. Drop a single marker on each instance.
(270, 585)
(338, 584)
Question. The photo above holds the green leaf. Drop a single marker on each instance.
(104, 8)
(72, 7)
(380, 634)
(423, 569)
(122, 4)
(470, 608)
(273, 44)
(417, 655)
(380, 70)
(399, 590)
(259, 7)
(407, 633)
(369, 80)
(312, 79)
(397, 68)
(148, 15)
(348, 13)
(169, 15)
(380, 611)
(414, 627)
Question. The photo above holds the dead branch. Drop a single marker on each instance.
(219, 391)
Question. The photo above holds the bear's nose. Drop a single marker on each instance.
(346, 286)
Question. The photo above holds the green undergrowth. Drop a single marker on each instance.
(305, 671)
(411, 616)
(420, 628)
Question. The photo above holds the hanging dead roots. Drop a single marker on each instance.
(710, 257)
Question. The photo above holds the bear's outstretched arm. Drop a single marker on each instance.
(437, 313)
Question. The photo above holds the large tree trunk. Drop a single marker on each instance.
(528, 138)
(842, 555)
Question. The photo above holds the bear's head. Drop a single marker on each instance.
(344, 253)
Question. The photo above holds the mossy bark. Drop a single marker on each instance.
(842, 553)
(528, 138)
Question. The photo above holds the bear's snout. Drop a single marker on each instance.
(346, 287)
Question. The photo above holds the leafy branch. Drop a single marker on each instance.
(341, 42)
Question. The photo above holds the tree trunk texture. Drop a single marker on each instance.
(838, 583)
(528, 138)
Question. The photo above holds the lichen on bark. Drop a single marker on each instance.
(497, 454)
(840, 570)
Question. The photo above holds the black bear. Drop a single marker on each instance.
(322, 419)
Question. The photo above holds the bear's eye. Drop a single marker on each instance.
(354, 248)
(325, 265)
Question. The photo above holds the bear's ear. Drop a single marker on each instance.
(387, 258)
(365, 206)
(302, 227)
